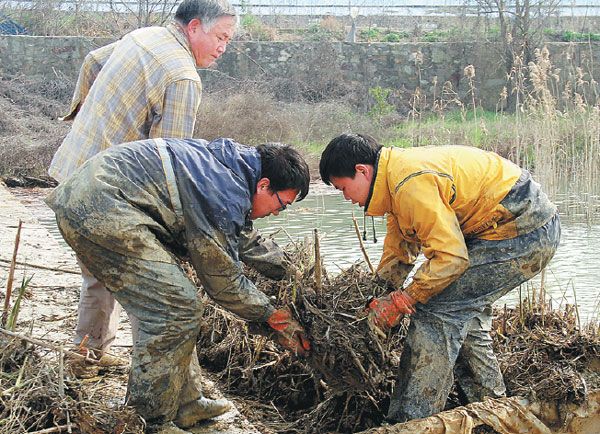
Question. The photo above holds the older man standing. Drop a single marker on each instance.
(143, 86)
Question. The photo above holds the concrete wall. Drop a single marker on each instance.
(321, 69)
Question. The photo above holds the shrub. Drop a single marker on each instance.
(331, 25)
(391, 37)
(382, 106)
(372, 33)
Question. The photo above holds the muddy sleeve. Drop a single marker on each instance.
(425, 214)
(223, 278)
(262, 254)
(92, 64)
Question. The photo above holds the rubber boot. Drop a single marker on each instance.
(193, 406)
(167, 428)
(201, 409)
(192, 386)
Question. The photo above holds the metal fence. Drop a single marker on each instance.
(310, 7)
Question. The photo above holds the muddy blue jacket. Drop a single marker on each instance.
(200, 212)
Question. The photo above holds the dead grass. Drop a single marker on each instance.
(255, 117)
(29, 130)
(544, 354)
(37, 395)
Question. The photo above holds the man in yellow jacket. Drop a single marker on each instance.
(484, 227)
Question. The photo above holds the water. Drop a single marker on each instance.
(572, 275)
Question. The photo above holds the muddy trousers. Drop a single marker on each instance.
(164, 372)
(452, 329)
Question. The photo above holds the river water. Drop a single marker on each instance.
(572, 275)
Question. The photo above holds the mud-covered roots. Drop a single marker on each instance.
(543, 353)
(342, 384)
(345, 352)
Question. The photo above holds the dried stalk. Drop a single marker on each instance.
(318, 280)
(362, 246)
(59, 428)
(47, 345)
(11, 275)
(41, 267)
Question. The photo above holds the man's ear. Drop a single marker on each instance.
(263, 184)
(194, 25)
(363, 169)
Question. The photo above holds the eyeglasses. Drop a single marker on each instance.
(283, 205)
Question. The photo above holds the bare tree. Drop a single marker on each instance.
(521, 25)
(146, 12)
(521, 22)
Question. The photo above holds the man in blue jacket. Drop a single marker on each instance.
(131, 210)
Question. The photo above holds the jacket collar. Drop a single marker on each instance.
(379, 201)
(181, 37)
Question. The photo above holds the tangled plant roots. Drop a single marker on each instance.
(543, 352)
(344, 384)
(345, 380)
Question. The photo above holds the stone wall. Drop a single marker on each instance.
(417, 23)
(45, 55)
(321, 69)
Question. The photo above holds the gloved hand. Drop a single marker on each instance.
(290, 334)
(385, 312)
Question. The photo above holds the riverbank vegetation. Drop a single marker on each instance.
(546, 119)
(551, 126)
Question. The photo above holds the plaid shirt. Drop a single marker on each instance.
(143, 86)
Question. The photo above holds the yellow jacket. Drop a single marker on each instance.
(436, 197)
